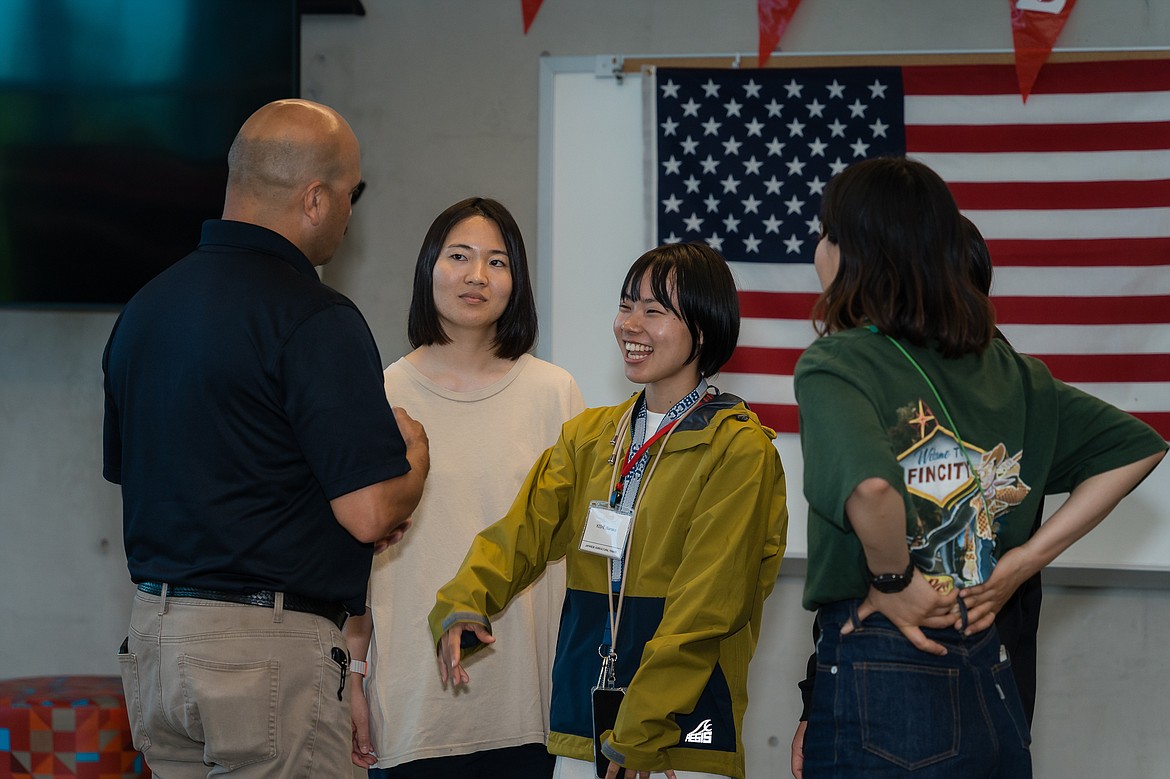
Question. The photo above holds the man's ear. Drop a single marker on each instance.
(314, 203)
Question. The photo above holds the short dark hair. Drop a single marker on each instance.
(707, 301)
(904, 259)
(516, 328)
(977, 255)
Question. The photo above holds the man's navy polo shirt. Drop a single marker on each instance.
(242, 395)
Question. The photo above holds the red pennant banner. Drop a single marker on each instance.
(1035, 27)
(529, 8)
(774, 16)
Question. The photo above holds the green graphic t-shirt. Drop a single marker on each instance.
(865, 411)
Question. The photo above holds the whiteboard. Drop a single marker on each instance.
(593, 223)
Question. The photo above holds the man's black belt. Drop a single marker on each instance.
(334, 612)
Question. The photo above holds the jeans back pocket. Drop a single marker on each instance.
(909, 713)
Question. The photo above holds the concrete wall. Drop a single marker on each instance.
(443, 95)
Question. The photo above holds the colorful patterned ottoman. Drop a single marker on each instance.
(66, 726)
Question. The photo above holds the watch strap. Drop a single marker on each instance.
(895, 579)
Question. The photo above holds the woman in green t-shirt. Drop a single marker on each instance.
(928, 445)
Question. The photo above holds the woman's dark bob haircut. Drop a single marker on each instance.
(904, 259)
(516, 328)
(705, 293)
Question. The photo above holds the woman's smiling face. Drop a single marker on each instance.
(656, 348)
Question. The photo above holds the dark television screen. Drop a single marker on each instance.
(115, 121)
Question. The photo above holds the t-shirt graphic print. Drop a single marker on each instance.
(952, 530)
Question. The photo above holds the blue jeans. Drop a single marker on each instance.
(881, 708)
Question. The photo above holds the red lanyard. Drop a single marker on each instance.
(630, 462)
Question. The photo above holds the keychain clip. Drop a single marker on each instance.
(607, 678)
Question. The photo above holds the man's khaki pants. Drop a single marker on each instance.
(221, 688)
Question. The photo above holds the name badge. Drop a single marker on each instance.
(606, 531)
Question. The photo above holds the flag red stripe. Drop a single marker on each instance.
(776, 305)
(983, 196)
(1072, 368)
(783, 418)
(1055, 78)
(1120, 136)
(1132, 310)
(1159, 420)
(1098, 252)
(1010, 310)
(1095, 368)
(761, 359)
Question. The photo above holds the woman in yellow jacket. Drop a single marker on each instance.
(669, 510)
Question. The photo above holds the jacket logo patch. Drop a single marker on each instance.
(701, 734)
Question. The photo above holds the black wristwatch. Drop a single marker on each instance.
(892, 582)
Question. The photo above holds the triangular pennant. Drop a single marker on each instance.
(529, 9)
(1035, 26)
(774, 16)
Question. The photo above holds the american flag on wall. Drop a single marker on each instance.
(1071, 191)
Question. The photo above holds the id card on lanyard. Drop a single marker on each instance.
(607, 525)
(607, 533)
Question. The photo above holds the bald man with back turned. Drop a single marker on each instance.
(260, 467)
